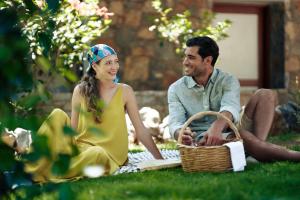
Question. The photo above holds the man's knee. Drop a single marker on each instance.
(267, 95)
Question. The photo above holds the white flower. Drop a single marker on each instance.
(151, 28)
(93, 171)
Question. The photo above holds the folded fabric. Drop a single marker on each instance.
(237, 154)
(144, 161)
(158, 164)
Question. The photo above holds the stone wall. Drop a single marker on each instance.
(146, 62)
(153, 99)
(292, 44)
(150, 66)
(60, 100)
(148, 98)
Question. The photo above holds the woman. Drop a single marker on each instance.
(109, 147)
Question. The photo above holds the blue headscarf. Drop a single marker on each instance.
(97, 53)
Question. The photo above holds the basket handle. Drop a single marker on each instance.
(202, 114)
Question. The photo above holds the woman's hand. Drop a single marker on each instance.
(142, 134)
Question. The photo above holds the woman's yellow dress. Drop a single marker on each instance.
(108, 148)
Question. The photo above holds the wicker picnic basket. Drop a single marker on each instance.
(206, 158)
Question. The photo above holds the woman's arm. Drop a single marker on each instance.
(76, 97)
(141, 131)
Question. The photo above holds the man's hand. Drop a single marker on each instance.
(187, 137)
(213, 135)
(211, 139)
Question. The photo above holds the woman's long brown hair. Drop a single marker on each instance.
(88, 88)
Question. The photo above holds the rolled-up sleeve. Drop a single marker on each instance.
(231, 97)
(177, 113)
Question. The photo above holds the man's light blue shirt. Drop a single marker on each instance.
(186, 98)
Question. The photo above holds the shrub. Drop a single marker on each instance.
(178, 28)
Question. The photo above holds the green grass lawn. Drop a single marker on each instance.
(280, 180)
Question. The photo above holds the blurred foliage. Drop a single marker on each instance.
(16, 77)
(15, 72)
(294, 92)
(38, 35)
(178, 28)
(59, 32)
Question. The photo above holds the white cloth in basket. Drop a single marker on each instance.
(237, 154)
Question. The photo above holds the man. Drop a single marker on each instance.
(205, 88)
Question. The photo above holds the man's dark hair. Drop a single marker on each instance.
(207, 47)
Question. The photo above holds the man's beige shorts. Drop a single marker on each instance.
(245, 122)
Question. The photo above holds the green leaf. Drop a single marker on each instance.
(69, 131)
(5, 53)
(100, 104)
(53, 5)
(95, 130)
(177, 27)
(75, 150)
(30, 101)
(107, 21)
(61, 165)
(7, 160)
(168, 10)
(71, 76)
(30, 6)
(40, 145)
(45, 42)
(44, 63)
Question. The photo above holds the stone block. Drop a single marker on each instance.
(290, 30)
(296, 49)
(144, 33)
(136, 68)
(148, 7)
(61, 97)
(138, 51)
(170, 3)
(117, 7)
(116, 20)
(169, 77)
(292, 63)
(108, 41)
(124, 37)
(153, 99)
(180, 7)
(294, 81)
(133, 18)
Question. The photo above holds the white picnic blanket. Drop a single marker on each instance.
(136, 160)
